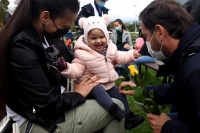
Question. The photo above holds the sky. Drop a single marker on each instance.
(126, 10)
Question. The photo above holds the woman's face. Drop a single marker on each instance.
(97, 40)
(117, 24)
(60, 23)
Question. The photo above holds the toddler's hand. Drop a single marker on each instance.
(61, 64)
(136, 54)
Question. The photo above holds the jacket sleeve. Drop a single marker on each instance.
(75, 69)
(112, 37)
(163, 94)
(105, 10)
(172, 126)
(129, 40)
(31, 80)
(85, 12)
(125, 57)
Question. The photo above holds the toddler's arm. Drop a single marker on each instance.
(74, 70)
(124, 57)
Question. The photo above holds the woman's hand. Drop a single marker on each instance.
(127, 46)
(136, 54)
(157, 121)
(85, 86)
(126, 92)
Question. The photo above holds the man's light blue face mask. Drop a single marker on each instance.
(101, 4)
(156, 54)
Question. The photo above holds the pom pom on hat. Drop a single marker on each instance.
(80, 21)
(106, 18)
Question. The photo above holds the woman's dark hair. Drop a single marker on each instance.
(104, 0)
(27, 11)
(140, 33)
(120, 22)
(168, 13)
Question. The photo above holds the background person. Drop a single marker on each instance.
(30, 77)
(95, 8)
(122, 38)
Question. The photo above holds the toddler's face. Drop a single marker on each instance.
(97, 40)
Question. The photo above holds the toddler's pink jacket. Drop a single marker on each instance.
(87, 61)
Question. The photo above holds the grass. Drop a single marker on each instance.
(149, 78)
(133, 37)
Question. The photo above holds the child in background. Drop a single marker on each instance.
(94, 54)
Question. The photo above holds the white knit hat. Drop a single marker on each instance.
(94, 22)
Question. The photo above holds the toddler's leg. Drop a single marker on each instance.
(114, 93)
(131, 120)
(102, 97)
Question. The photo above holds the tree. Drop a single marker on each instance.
(3, 9)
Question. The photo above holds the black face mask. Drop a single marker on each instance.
(58, 34)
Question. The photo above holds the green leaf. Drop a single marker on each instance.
(119, 80)
(139, 96)
(152, 105)
(144, 107)
(151, 96)
(137, 80)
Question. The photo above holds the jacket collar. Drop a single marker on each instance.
(187, 43)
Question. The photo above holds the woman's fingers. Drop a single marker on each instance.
(86, 85)
(90, 79)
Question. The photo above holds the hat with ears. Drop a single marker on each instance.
(94, 22)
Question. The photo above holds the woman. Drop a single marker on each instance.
(122, 39)
(30, 73)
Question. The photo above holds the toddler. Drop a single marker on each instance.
(94, 54)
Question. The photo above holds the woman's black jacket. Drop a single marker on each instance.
(34, 82)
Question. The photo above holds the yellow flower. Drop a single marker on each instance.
(133, 70)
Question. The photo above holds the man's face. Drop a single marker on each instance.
(155, 44)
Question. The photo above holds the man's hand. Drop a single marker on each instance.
(126, 92)
(157, 121)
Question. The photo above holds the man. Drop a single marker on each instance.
(172, 32)
(96, 8)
